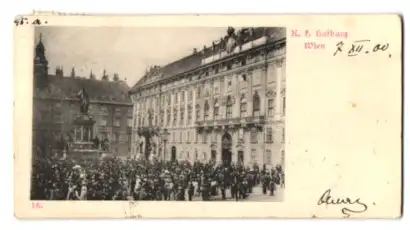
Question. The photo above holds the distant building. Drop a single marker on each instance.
(55, 106)
(225, 102)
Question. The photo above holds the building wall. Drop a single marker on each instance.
(195, 133)
(52, 118)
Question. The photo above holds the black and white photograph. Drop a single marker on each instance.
(159, 114)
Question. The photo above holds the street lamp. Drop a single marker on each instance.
(165, 139)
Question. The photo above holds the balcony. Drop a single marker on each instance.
(245, 122)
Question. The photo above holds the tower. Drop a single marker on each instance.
(40, 65)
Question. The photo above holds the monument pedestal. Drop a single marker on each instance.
(83, 147)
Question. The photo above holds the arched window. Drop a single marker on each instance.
(206, 110)
(256, 104)
(216, 109)
(243, 106)
(197, 112)
(229, 103)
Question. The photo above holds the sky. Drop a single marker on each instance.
(128, 51)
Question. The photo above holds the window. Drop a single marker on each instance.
(173, 137)
(189, 114)
(168, 116)
(175, 98)
(161, 117)
(104, 109)
(269, 135)
(256, 104)
(243, 77)
(135, 123)
(206, 110)
(196, 136)
(268, 157)
(181, 134)
(115, 137)
(103, 121)
(187, 136)
(117, 122)
(198, 112)
(129, 122)
(216, 109)
(229, 85)
(243, 61)
(283, 135)
(198, 92)
(284, 105)
(254, 136)
(243, 106)
(190, 95)
(216, 88)
(253, 155)
(214, 137)
(175, 117)
(270, 107)
(182, 96)
(58, 117)
(229, 65)
(229, 107)
(204, 138)
(182, 115)
(117, 110)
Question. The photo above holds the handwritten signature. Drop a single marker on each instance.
(361, 47)
(327, 199)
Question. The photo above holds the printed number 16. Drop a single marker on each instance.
(36, 205)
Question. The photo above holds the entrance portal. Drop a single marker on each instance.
(173, 153)
(226, 149)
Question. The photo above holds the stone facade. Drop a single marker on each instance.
(230, 107)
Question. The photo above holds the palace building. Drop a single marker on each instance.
(56, 105)
(225, 102)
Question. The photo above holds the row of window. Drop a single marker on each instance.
(192, 136)
(116, 122)
(216, 111)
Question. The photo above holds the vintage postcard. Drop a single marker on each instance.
(209, 116)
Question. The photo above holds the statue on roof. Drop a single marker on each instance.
(84, 100)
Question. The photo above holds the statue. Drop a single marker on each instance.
(84, 100)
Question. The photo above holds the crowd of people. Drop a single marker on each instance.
(131, 179)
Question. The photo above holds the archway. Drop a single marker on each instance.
(173, 153)
(226, 149)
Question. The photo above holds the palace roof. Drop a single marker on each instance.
(195, 59)
(103, 91)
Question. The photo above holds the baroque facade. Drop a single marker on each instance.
(55, 106)
(225, 103)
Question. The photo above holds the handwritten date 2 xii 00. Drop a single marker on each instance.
(361, 47)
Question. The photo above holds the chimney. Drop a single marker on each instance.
(105, 76)
(116, 77)
(72, 72)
